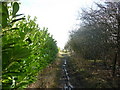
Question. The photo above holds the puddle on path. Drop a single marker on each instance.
(66, 79)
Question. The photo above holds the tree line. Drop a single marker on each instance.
(98, 36)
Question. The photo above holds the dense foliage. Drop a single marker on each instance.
(26, 49)
(98, 37)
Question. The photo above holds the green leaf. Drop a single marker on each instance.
(14, 29)
(11, 29)
(4, 20)
(11, 74)
(5, 15)
(13, 66)
(23, 83)
(15, 8)
(5, 10)
(20, 52)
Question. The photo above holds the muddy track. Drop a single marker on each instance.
(70, 77)
(66, 84)
(60, 74)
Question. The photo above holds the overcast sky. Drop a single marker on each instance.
(59, 16)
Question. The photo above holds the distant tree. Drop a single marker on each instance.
(99, 35)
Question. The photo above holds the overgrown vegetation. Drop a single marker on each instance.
(84, 74)
(26, 48)
(49, 76)
(98, 37)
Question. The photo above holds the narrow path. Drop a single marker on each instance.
(56, 75)
(65, 74)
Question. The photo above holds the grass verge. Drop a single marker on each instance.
(87, 75)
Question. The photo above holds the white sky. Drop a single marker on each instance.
(59, 16)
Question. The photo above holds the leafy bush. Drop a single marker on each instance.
(26, 50)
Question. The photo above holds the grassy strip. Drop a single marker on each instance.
(88, 75)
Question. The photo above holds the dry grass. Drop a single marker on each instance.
(96, 76)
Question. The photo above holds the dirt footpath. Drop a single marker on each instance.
(65, 74)
(59, 74)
